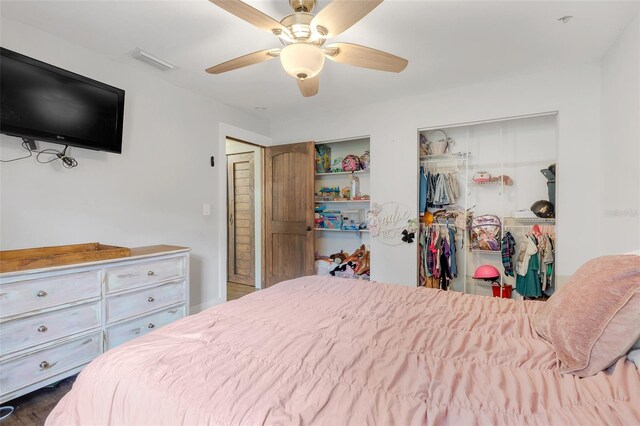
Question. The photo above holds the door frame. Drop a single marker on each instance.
(226, 131)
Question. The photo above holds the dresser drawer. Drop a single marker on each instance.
(118, 334)
(140, 274)
(32, 295)
(23, 371)
(43, 328)
(131, 304)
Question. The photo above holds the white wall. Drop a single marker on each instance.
(392, 125)
(620, 150)
(150, 194)
(235, 147)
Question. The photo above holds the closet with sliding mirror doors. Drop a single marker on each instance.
(478, 185)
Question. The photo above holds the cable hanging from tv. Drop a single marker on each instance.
(29, 145)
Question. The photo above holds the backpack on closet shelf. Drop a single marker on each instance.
(485, 232)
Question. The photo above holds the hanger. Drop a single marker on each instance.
(536, 230)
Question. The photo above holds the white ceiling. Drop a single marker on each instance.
(447, 43)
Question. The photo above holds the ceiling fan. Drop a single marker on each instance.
(303, 35)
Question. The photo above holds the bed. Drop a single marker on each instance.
(330, 351)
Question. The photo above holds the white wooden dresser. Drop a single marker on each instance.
(53, 321)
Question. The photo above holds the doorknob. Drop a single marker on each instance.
(309, 228)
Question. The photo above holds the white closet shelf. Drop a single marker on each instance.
(344, 201)
(512, 164)
(358, 172)
(342, 230)
(491, 182)
(485, 251)
(529, 220)
(440, 157)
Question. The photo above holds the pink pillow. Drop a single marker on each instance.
(594, 319)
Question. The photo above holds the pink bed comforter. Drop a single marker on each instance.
(332, 351)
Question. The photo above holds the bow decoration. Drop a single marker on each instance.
(407, 236)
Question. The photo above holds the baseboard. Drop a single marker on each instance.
(203, 306)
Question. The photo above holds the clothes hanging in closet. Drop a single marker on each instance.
(437, 190)
(547, 259)
(527, 278)
(438, 263)
(423, 192)
(445, 272)
(508, 248)
(452, 259)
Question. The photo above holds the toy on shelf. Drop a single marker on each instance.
(356, 265)
(342, 256)
(355, 185)
(336, 167)
(344, 265)
(365, 160)
(329, 193)
(331, 219)
(352, 219)
(351, 163)
(334, 193)
(323, 159)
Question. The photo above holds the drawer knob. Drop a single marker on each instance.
(42, 293)
(151, 325)
(44, 364)
(42, 329)
(150, 299)
(151, 273)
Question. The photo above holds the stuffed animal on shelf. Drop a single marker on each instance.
(341, 256)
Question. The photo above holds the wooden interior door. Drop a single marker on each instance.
(289, 218)
(241, 219)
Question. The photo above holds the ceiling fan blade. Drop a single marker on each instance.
(252, 16)
(309, 86)
(340, 15)
(365, 57)
(244, 61)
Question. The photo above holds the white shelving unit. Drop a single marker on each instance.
(329, 241)
(344, 201)
(341, 230)
(518, 148)
(358, 172)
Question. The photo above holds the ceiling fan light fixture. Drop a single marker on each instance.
(301, 31)
(302, 60)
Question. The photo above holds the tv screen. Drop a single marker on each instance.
(43, 102)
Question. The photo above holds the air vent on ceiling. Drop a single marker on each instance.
(152, 60)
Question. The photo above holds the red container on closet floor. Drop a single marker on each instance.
(506, 291)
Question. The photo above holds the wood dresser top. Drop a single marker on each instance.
(136, 253)
(159, 249)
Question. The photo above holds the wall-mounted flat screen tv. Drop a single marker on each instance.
(42, 102)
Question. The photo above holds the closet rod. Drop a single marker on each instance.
(527, 226)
